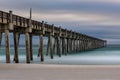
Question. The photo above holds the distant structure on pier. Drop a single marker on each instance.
(70, 41)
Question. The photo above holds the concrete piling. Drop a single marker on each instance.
(0, 38)
(16, 47)
(27, 47)
(31, 50)
(7, 46)
(41, 48)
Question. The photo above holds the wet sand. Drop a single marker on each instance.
(58, 72)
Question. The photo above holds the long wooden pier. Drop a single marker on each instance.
(65, 41)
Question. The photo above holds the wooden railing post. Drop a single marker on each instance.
(11, 27)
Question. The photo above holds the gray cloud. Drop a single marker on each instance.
(67, 5)
(101, 24)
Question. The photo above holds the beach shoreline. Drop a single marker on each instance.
(58, 72)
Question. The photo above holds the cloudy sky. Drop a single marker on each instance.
(98, 18)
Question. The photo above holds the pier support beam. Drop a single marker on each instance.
(0, 38)
(7, 46)
(48, 45)
(41, 48)
(27, 47)
(31, 50)
(83, 44)
(16, 47)
(55, 45)
(64, 46)
(68, 45)
(79, 45)
(74, 46)
(40, 52)
(51, 47)
(58, 47)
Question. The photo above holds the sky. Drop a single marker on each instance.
(98, 18)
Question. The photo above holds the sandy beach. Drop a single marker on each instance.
(58, 72)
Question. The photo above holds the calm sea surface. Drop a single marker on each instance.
(108, 55)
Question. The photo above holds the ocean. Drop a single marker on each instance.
(109, 55)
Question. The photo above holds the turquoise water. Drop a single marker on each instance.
(108, 55)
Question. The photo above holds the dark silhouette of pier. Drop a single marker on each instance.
(67, 40)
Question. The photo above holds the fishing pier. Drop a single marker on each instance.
(61, 40)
